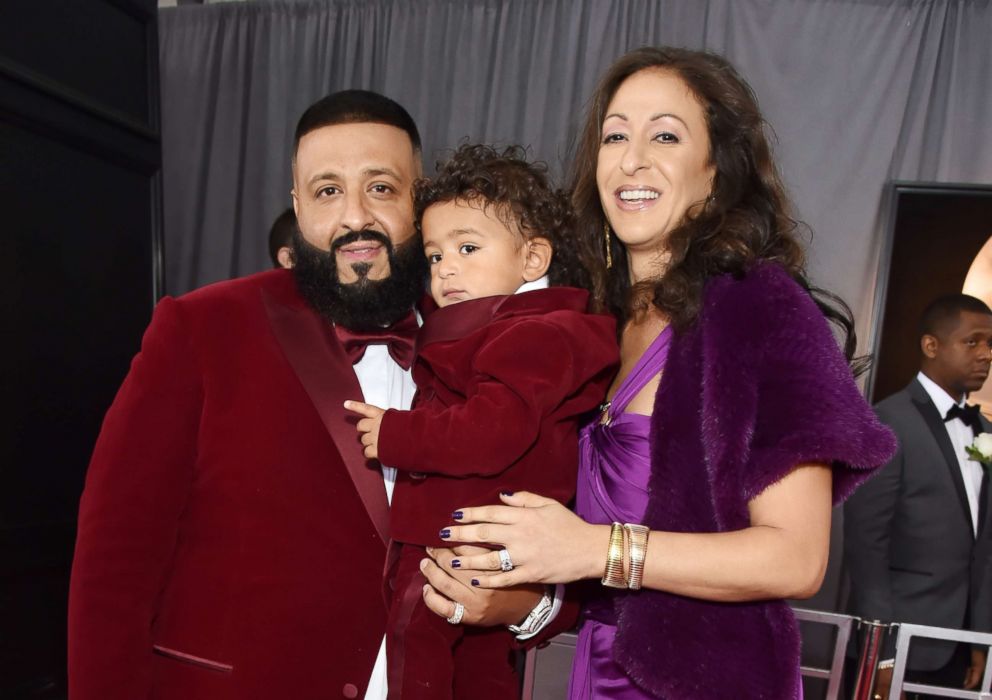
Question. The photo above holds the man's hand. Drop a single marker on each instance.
(368, 426)
(975, 671)
(484, 607)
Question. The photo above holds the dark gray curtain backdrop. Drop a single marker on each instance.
(859, 92)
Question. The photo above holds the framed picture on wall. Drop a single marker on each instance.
(938, 241)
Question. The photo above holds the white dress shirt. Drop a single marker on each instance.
(961, 436)
(387, 385)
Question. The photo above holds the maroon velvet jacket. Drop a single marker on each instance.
(231, 535)
(502, 383)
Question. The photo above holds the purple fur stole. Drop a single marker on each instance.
(755, 387)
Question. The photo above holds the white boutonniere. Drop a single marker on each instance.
(981, 449)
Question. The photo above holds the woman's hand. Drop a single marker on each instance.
(547, 542)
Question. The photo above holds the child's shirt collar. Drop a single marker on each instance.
(541, 283)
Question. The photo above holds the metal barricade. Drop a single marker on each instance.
(562, 647)
(871, 647)
(563, 644)
(833, 674)
(907, 632)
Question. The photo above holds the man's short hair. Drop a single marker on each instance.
(281, 234)
(355, 107)
(942, 314)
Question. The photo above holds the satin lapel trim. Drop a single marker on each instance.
(936, 424)
(329, 379)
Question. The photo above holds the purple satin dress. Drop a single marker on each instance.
(614, 468)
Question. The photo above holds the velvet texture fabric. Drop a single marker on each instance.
(226, 549)
(502, 383)
(755, 387)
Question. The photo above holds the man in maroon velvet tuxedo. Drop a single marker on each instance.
(232, 536)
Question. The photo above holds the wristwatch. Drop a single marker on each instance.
(537, 617)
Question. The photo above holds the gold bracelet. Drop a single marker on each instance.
(613, 577)
(638, 535)
(626, 556)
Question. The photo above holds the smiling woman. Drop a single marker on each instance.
(653, 164)
(705, 487)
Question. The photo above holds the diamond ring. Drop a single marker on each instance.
(456, 619)
(505, 563)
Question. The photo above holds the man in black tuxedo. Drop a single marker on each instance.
(917, 537)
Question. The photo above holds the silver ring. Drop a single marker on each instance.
(505, 563)
(456, 619)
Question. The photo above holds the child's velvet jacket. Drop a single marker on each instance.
(502, 383)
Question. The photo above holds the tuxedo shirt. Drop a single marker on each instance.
(387, 385)
(961, 436)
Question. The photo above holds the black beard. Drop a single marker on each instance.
(363, 305)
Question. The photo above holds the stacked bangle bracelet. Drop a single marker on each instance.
(638, 537)
(613, 577)
(625, 556)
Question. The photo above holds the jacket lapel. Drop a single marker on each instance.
(329, 379)
(983, 494)
(935, 423)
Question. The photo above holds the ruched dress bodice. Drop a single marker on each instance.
(614, 468)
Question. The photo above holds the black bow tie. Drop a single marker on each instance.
(967, 415)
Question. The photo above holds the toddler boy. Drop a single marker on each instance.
(506, 367)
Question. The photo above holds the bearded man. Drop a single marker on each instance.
(232, 537)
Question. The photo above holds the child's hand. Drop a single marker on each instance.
(368, 426)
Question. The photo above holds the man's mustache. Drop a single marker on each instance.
(365, 235)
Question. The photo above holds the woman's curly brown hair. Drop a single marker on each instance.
(746, 219)
(517, 192)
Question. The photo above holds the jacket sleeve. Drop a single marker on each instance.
(136, 487)
(520, 376)
(868, 516)
(808, 408)
(981, 584)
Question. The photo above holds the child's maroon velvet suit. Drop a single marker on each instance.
(502, 384)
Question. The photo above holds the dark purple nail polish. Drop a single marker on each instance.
(457, 515)
(475, 582)
(507, 493)
(455, 564)
(445, 533)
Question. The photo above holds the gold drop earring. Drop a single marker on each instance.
(606, 238)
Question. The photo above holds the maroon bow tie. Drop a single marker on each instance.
(398, 338)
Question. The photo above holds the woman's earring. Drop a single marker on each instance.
(606, 237)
